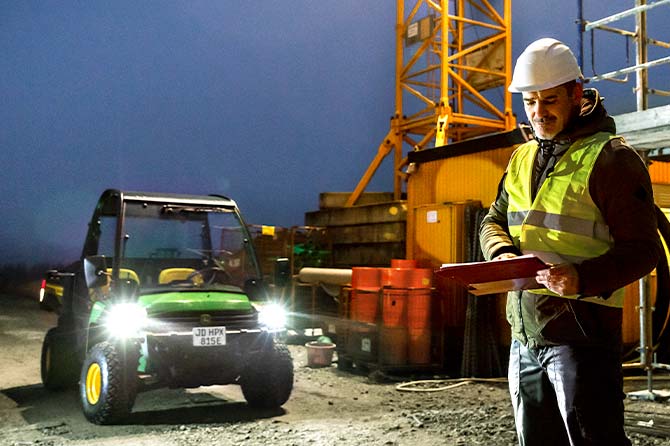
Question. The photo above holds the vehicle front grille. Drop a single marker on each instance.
(185, 320)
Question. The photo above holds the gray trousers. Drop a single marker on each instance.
(567, 395)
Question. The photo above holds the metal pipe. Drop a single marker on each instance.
(642, 78)
(620, 15)
(650, 64)
(622, 32)
(580, 35)
(328, 276)
(658, 43)
(646, 342)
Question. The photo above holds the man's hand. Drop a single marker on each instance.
(562, 279)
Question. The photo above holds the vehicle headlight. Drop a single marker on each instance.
(272, 316)
(126, 320)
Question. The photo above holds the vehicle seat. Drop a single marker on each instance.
(126, 273)
(103, 291)
(167, 275)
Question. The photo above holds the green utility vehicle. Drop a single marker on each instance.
(168, 293)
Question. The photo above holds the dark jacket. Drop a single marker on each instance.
(621, 189)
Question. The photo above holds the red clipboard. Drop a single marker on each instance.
(497, 276)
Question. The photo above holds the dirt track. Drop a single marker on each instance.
(327, 407)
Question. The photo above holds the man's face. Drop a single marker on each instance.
(550, 110)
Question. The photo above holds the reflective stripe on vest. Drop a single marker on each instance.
(562, 224)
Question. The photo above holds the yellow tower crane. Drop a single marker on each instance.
(453, 64)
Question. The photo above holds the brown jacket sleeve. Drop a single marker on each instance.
(621, 188)
(494, 235)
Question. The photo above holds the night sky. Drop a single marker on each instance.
(268, 102)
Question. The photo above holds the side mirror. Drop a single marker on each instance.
(282, 272)
(95, 271)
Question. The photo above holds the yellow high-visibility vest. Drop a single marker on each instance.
(562, 224)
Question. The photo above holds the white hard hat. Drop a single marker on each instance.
(546, 63)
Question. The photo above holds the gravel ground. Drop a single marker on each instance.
(327, 407)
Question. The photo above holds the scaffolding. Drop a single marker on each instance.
(646, 348)
(642, 41)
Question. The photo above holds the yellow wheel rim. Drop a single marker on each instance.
(93, 383)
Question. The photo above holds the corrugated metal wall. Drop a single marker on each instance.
(451, 180)
(467, 177)
(659, 172)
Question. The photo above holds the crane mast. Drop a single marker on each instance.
(452, 67)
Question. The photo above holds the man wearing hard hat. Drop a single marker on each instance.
(580, 199)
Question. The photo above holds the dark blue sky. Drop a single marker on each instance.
(269, 102)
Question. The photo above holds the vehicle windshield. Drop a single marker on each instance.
(172, 246)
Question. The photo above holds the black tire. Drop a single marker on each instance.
(267, 380)
(58, 361)
(108, 383)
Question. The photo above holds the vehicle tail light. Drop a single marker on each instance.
(42, 289)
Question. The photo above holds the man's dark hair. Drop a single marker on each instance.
(570, 87)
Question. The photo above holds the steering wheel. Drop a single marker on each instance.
(208, 274)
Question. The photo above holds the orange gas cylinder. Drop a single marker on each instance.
(393, 345)
(418, 345)
(394, 306)
(403, 263)
(421, 278)
(364, 305)
(365, 278)
(418, 308)
(366, 285)
(396, 277)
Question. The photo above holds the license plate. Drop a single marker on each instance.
(209, 336)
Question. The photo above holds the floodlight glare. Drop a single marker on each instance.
(125, 320)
